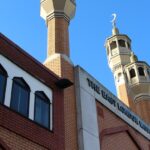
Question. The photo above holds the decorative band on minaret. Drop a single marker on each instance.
(55, 8)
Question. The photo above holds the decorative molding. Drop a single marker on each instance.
(141, 97)
(57, 14)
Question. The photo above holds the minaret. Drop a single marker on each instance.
(118, 52)
(57, 14)
(132, 77)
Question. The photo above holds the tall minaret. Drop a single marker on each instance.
(132, 77)
(57, 14)
(118, 53)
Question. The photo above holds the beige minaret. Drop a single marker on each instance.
(57, 14)
(118, 53)
(132, 77)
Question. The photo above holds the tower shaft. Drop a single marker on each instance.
(57, 14)
(58, 37)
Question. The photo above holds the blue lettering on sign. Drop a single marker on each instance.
(93, 86)
(108, 98)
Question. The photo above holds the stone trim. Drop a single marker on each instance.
(57, 14)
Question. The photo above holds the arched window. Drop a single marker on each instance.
(3, 79)
(20, 96)
(141, 71)
(121, 43)
(42, 109)
(113, 45)
(132, 73)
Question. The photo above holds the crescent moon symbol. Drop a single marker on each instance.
(115, 16)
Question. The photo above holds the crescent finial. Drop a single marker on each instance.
(114, 19)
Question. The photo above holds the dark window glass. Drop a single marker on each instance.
(113, 45)
(20, 96)
(3, 78)
(42, 109)
(141, 71)
(121, 43)
(132, 73)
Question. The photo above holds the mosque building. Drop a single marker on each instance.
(59, 106)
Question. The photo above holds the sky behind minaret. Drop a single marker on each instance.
(20, 21)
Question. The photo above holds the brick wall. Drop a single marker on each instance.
(143, 109)
(20, 133)
(115, 134)
(66, 70)
(58, 36)
(58, 43)
(16, 142)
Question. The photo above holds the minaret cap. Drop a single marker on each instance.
(115, 31)
(57, 8)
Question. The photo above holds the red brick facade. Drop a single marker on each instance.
(14, 127)
(115, 134)
(21, 133)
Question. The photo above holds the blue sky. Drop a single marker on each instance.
(20, 21)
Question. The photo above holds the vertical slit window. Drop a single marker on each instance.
(132, 73)
(20, 96)
(121, 43)
(113, 45)
(42, 109)
(141, 71)
(3, 79)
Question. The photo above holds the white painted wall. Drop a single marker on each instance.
(35, 85)
(88, 133)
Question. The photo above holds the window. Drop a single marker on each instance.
(20, 96)
(141, 71)
(113, 45)
(3, 79)
(42, 109)
(121, 43)
(132, 73)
